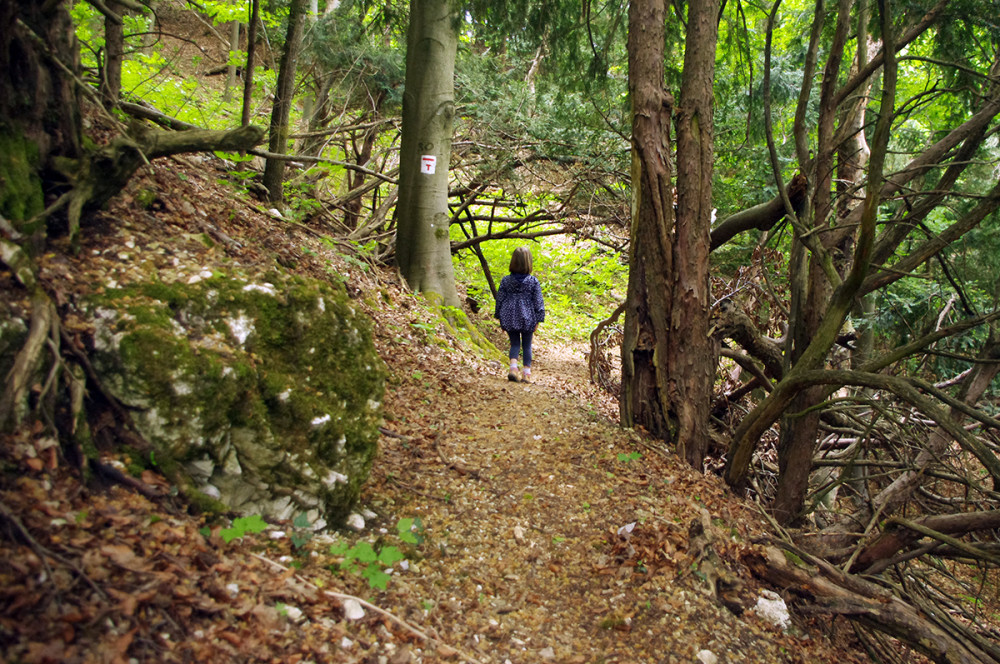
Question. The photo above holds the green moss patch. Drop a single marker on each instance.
(267, 393)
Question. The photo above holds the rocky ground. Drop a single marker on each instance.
(504, 522)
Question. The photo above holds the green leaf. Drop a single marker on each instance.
(363, 552)
(302, 521)
(376, 577)
(390, 555)
(250, 524)
(339, 549)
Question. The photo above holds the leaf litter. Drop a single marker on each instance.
(546, 532)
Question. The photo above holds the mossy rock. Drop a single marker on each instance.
(265, 395)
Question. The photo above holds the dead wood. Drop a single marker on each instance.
(599, 374)
(14, 399)
(900, 534)
(730, 322)
(106, 172)
(823, 588)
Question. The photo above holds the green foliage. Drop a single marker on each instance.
(581, 282)
(302, 532)
(364, 559)
(243, 525)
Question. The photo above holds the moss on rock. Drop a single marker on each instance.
(267, 394)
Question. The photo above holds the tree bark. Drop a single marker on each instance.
(114, 56)
(234, 45)
(667, 355)
(691, 357)
(248, 68)
(423, 251)
(645, 397)
(274, 169)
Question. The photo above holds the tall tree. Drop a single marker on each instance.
(423, 248)
(667, 358)
(274, 169)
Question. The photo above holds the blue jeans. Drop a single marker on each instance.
(517, 341)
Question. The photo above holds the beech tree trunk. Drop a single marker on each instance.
(423, 251)
(274, 169)
(667, 361)
(114, 55)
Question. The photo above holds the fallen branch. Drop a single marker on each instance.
(825, 589)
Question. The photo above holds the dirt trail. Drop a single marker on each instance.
(523, 489)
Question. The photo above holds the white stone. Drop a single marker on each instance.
(320, 421)
(211, 491)
(232, 589)
(353, 610)
(356, 522)
(241, 328)
(707, 657)
(294, 613)
(773, 609)
(334, 477)
(547, 653)
(267, 289)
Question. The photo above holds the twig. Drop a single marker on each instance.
(44, 552)
(368, 605)
(417, 491)
(454, 465)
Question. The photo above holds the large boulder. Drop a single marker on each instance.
(265, 395)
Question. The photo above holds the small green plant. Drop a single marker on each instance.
(302, 531)
(631, 456)
(241, 526)
(362, 558)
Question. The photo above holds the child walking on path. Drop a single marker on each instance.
(520, 309)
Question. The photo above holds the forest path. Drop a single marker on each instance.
(523, 490)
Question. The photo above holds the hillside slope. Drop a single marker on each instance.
(541, 531)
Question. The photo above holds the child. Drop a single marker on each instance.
(520, 309)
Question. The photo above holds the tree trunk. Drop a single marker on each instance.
(691, 358)
(248, 68)
(644, 399)
(114, 55)
(423, 251)
(667, 360)
(274, 169)
(39, 108)
(798, 432)
(234, 45)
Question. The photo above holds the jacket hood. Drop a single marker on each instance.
(518, 282)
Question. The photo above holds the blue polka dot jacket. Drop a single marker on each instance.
(519, 303)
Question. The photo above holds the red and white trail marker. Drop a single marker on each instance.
(428, 163)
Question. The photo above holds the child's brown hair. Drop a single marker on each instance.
(520, 261)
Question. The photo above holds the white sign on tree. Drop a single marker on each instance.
(428, 163)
